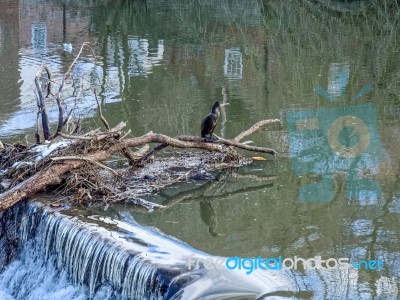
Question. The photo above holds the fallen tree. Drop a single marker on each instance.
(70, 158)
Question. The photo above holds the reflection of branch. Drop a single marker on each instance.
(128, 196)
(243, 190)
(253, 177)
(191, 194)
(199, 192)
(209, 218)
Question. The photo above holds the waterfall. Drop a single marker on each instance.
(45, 254)
(90, 260)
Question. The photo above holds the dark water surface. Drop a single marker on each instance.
(329, 70)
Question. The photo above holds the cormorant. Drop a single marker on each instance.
(210, 121)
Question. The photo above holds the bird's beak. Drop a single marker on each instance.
(223, 104)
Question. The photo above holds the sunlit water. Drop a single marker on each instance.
(328, 70)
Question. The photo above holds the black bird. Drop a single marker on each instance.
(210, 121)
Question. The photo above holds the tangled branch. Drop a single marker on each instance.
(70, 158)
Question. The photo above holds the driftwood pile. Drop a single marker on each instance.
(70, 160)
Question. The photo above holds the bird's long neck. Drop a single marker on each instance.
(215, 110)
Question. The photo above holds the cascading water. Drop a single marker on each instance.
(47, 255)
(85, 260)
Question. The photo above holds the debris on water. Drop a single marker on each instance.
(21, 164)
(45, 150)
(66, 206)
(148, 177)
(201, 175)
(68, 48)
(5, 183)
(258, 158)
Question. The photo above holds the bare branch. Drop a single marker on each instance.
(254, 128)
(247, 147)
(118, 127)
(75, 60)
(101, 113)
(115, 173)
(75, 137)
(133, 156)
(230, 143)
(152, 152)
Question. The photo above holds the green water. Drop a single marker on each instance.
(329, 70)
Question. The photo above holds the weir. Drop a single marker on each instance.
(91, 259)
(45, 253)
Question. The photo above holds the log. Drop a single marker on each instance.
(35, 184)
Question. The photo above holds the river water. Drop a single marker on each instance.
(329, 70)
